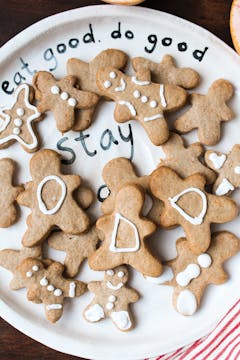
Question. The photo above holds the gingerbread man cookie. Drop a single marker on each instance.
(8, 193)
(62, 98)
(47, 285)
(10, 259)
(125, 231)
(228, 169)
(139, 99)
(119, 172)
(50, 196)
(207, 113)
(189, 205)
(190, 274)
(17, 121)
(185, 159)
(86, 76)
(166, 72)
(76, 247)
(112, 299)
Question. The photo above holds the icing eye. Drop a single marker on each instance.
(110, 272)
(50, 287)
(137, 94)
(144, 99)
(64, 95)
(35, 268)
(55, 90)
(120, 274)
(107, 84)
(29, 274)
(112, 75)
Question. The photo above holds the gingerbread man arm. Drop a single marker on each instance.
(132, 295)
(95, 287)
(189, 120)
(222, 208)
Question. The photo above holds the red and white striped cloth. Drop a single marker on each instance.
(223, 343)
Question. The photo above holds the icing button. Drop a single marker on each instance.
(72, 102)
(107, 84)
(50, 287)
(16, 131)
(55, 90)
(153, 103)
(110, 272)
(43, 281)
(29, 274)
(120, 274)
(144, 99)
(112, 298)
(35, 268)
(64, 95)
(109, 306)
(18, 122)
(137, 94)
(20, 111)
(57, 292)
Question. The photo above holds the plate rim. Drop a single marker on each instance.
(30, 33)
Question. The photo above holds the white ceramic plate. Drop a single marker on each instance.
(46, 46)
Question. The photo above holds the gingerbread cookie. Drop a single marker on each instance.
(76, 247)
(10, 259)
(185, 159)
(86, 76)
(137, 98)
(119, 172)
(166, 72)
(190, 274)
(207, 113)
(189, 205)
(47, 285)
(112, 299)
(228, 169)
(50, 196)
(125, 231)
(8, 193)
(62, 98)
(17, 121)
(84, 196)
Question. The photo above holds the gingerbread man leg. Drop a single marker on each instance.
(94, 313)
(122, 320)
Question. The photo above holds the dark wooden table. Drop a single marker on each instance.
(16, 15)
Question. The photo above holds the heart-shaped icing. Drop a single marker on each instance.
(217, 160)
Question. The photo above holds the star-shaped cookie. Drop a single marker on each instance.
(125, 231)
(47, 285)
(191, 274)
(8, 193)
(207, 112)
(167, 72)
(185, 160)
(50, 197)
(17, 121)
(62, 97)
(189, 205)
(76, 247)
(86, 76)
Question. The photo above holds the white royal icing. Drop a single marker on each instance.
(110, 272)
(41, 204)
(237, 170)
(121, 319)
(54, 307)
(148, 204)
(224, 187)
(112, 298)
(44, 281)
(20, 112)
(72, 289)
(186, 302)
(113, 247)
(107, 84)
(58, 292)
(144, 99)
(109, 306)
(64, 95)
(153, 103)
(204, 260)
(35, 268)
(94, 313)
(29, 120)
(217, 160)
(162, 96)
(18, 122)
(139, 82)
(136, 94)
(129, 106)
(112, 75)
(197, 220)
(50, 288)
(16, 131)
(72, 102)
(166, 275)
(29, 274)
(191, 272)
(55, 90)
(114, 287)
(154, 117)
(122, 87)
(120, 274)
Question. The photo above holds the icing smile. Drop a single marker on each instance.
(114, 287)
